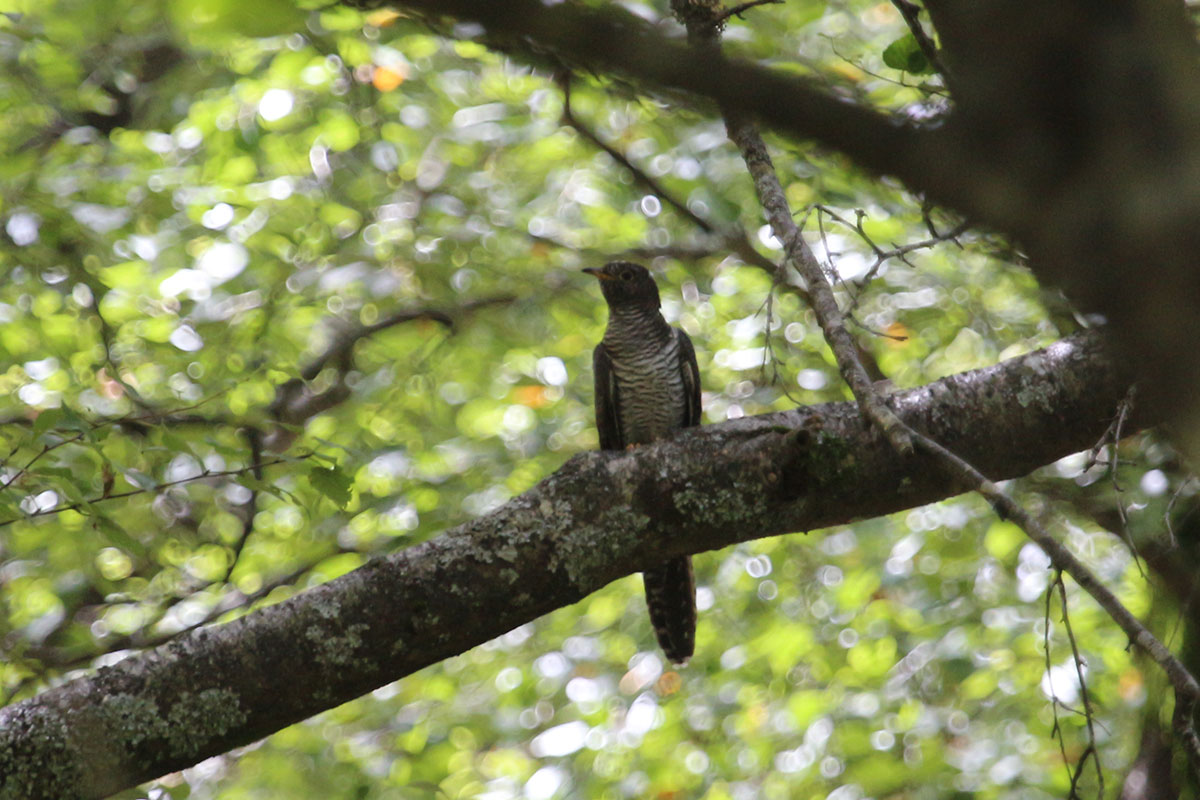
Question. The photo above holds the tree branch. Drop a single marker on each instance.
(911, 13)
(340, 350)
(598, 518)
(611, 40)
(734, 238)
(704, 24)
(1064, 160)
(295, 402)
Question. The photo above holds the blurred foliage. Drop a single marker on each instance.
(198, 197)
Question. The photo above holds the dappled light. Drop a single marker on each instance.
(291, 288)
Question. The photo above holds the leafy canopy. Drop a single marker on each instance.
(199, 199)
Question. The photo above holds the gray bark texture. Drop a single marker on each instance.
(598, 518)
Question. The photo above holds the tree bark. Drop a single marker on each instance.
(598, 518)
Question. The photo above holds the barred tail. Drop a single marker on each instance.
(671, 598)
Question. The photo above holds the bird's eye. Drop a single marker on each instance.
(627, 275)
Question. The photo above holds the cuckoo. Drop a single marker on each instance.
(647, 385)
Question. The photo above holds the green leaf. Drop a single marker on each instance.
(140, 479)
(117, 535)
(47, 420)
(210, 20)
(331, 482)
(905, 54)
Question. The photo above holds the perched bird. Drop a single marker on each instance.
(648, 385)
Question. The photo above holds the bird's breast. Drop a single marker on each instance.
(651, 390)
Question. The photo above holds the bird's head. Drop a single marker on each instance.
(626, 284)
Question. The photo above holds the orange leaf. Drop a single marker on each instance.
(668, 683)
(532, 396)
(385, 79)
(1131, 683)
(383, 17)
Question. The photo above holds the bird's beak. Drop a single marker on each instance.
(595, 273)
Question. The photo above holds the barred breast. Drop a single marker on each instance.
(645, 361)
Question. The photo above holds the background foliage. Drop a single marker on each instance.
(199, 197)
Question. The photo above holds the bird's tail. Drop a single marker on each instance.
(671, 598)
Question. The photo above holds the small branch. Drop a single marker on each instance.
(1077, 659)
(1056, 731)
(295, 402)
(206, 475)
(45, 449)
(106, 341)
(734, 238)
(911, 13)
(1112, 434)
(1112, 438)
(1172, 540)
(881, 255)
(56, 658)
(340, 350)
(680, 252)
(1063, 559)
(741, 8)
(162, 417)
(639, 175)
(254, 439)
(800, 256)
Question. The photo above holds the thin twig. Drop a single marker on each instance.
(1112, 432)
(911, 13)
(655, 188)
(45, 449)
(1171, 539)
(679, 252)
(205, 475)
(56, 658)
(883, 256)
(1184, 683)
(339, 351)
(106, 338)
(1112, 438)
(734, 239)
(1056, 731)
(742, 8)
(1083, 694)
(254, 439)
(769, 358)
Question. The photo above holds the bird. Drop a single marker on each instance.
(648, 386)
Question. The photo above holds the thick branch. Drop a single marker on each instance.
(598, 518)
(611, 40)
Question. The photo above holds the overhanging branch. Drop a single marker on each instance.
(1089, 163)
(600, 517)
(612, 41)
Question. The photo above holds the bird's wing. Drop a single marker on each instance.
(691, 379)
(608, 401)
